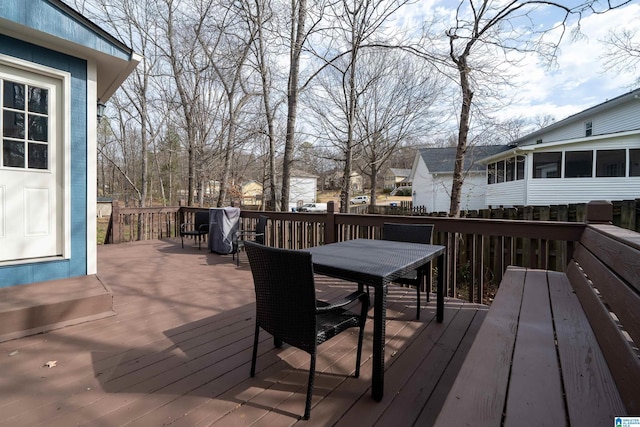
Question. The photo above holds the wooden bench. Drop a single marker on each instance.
(558, 348)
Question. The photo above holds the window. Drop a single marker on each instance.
(634, 162)
(578, 164)
(510, 170)
(610, 163)
(500, 171)
(25, 126)
(491, 173)
(588, 129)
(520, 167)
(547, 165)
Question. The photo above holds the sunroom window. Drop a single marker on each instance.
(547, 165)
(610, 163)
(578, 164)
(634, 162)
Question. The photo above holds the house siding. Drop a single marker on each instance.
(76, 265)
(563, 191)
(302, 190)
(621, 118)
(506, 194)
(435, 192)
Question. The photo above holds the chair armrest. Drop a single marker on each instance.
(357, 295)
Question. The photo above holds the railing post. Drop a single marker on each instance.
(115, 221)
(330, 224)
(599, 212)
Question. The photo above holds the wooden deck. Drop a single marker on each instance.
(179, 349)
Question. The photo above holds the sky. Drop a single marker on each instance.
(577, 82)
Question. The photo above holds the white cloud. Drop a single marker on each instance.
(579, 81)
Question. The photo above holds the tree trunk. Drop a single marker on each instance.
(463, 132)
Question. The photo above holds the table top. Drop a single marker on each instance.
(375, 262)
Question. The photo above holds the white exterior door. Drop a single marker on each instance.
(31, 168)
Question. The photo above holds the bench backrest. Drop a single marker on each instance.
(605, 274)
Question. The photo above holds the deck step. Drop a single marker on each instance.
(44, 306)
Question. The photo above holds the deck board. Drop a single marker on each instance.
(179, 349)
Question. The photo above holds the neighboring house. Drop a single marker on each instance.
(302, 188)
(592, 155)
(251, 193)
(432, 177)
(396, 177)
(334, 181)
(56, 66)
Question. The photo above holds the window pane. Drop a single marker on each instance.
(578, 164)
(38, 128)
(546, 165)
(13, 124)
(610, 163)
(38, 100)
(520, 167)
(13, 154)
(500, 171)
(510, 169)
(38, 156)
(634, 162)
(13, 95)
(491, 173)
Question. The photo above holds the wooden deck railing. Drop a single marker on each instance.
(478, 250)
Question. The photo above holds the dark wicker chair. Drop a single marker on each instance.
(257, 235)
(412, 233)
(286, 306)
(196, 229)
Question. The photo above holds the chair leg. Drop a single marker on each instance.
(312, 372)
(277, 342)
(182, 240)
(418, 301)
(255, 350)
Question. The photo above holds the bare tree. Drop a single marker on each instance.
(624, 51)
(394, 107)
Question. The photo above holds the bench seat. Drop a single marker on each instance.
(535, 361)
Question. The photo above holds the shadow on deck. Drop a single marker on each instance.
(178, 352)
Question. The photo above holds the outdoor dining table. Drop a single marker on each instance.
(377, 263)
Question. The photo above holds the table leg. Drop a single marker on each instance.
(440, 289)
(379, 321)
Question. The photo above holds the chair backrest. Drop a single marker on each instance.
(285, 294)
(412, 233)
(261, 229)
(201, 218)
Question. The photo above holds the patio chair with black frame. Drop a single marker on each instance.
(197, 229)
(286, 306)
(258, 235)
(411, 233)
